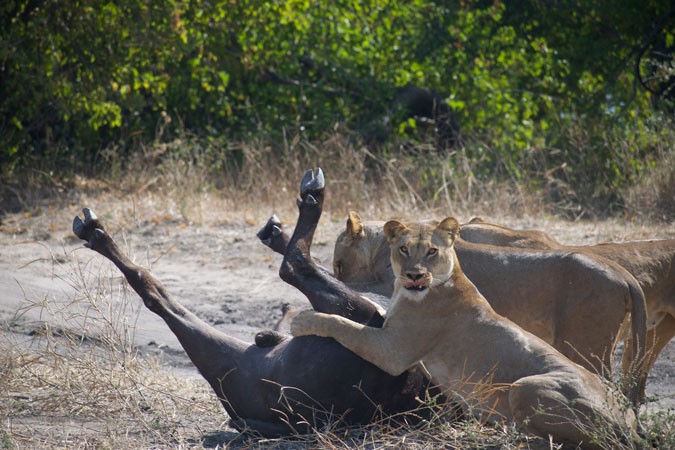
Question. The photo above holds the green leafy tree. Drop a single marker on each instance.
(78, 76)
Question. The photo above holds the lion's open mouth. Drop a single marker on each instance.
(417, 286)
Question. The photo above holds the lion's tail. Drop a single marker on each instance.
(638, 342)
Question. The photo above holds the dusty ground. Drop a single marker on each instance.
(217, 269)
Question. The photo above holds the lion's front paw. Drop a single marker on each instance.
(305, 323)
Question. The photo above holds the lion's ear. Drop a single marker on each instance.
(393, 229)
(354, 225)
(450, 226)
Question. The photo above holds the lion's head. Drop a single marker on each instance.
(422, 254)
(361, 254)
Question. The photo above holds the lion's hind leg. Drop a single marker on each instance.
(559, 406)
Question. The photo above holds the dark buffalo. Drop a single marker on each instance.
(279, 385)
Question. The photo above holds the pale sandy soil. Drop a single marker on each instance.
(217, 269)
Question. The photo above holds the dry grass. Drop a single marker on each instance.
(204, 182)
(81, 384)
(201, 182)
(653, 194)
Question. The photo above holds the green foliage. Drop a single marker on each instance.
(81, 76)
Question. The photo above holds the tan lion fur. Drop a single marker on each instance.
(651, 262)
(576, 303)
(479, 231)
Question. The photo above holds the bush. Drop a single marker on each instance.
(79, 79)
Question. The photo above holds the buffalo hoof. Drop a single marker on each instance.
(90, 229)
(270, 230)
(311, 187)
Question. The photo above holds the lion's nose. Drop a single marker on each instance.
(414, 276)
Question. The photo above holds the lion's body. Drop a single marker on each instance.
(499, 371)
(652, 263)
(479, 231)
(570, 300)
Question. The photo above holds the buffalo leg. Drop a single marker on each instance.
(324, 292)
(273, 235)
(215, 354)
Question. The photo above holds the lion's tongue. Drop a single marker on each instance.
(414, 284)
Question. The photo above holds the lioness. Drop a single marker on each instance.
(498, 371)
(569, 299)
(651, 262)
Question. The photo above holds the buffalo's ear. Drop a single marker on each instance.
(449, 227)
(354, 225)
(393, 229)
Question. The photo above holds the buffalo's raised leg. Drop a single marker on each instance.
(228, 364)
(324, 292)
(273, 235)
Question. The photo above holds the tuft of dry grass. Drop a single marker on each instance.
(653, 194)
(82, 384)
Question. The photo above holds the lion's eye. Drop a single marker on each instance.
(432, 251)
(403, 249)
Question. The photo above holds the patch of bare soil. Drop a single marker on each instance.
(217, 270)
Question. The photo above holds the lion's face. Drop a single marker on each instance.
(422, 255)
(353, 251)
(361, 254)
(351, 259)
